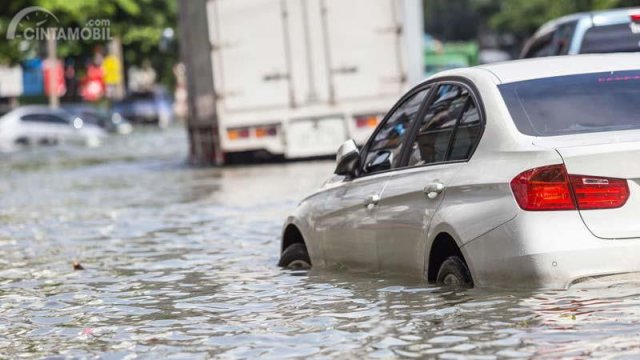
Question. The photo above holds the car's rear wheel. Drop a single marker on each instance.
(295, 257)
(454, 272)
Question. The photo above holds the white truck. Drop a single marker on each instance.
(296, 78)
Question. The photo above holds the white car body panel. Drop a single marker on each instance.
(604, 160)
(404, 215)
(348, 227)
(527, 69)
(502, 244)
(13, 130)
(527, 252)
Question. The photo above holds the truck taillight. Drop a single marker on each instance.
(367, 121)
(266, 131)
(255, 131)
(552, 188)
(238, 133)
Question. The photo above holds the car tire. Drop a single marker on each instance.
(295, 257)
(454, 272)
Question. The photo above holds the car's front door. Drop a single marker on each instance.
(443, 140)
(347, 224)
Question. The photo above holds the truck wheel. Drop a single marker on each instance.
(295, 257)
(454, 272)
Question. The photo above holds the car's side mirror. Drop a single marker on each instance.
(381, 162)
(347, 159)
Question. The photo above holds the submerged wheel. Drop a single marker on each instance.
(295, 257)
(454, 272)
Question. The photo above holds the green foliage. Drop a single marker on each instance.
(524, 17)
(451, 20)
(139, 23)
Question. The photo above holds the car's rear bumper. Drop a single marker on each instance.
(548, 250)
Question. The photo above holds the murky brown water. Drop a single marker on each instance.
(180, 263)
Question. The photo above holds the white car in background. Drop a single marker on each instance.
(607, 31)
(523, 173)
(40, 125)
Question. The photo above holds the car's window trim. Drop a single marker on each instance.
(433, 84)
(427, 100)
(573, 25)
(474, 95)
(538, 42)
(414, 130)
(456, 126)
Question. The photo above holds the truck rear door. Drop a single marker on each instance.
(249, 54)
(363, 48)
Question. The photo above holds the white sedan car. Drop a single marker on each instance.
(523, 173)
(40, 125)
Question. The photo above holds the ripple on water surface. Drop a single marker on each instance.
(180, 262)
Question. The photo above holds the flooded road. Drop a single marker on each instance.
(180, 263)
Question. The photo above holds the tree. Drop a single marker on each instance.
(139, 23)
(524, 17)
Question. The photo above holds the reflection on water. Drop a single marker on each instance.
(180, 262)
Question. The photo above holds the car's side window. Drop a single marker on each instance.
(31, 118)
(56, 119)
(385, 149)
(563, 38)
(44, 118)
(436, 129)
(542, 46)
(467, 133)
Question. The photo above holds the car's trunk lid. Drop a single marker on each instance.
(610, 160)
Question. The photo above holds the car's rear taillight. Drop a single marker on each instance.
(551, 188)
(592, 192)
(543, 188)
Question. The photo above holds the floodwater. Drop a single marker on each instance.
(179, 262)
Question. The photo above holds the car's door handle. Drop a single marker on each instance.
(371, 201)
(433, 190)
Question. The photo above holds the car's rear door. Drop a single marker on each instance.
(444, 139)
(347, 224)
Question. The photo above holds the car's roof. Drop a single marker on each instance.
(29, 108)
(551, 25)
(600, 17)
(528, 69)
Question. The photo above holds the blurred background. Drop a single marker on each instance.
(255, 68)
(114, 243)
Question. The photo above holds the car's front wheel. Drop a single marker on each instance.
(295, 257)
(454, 272)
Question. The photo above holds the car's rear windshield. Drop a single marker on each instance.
(575, 104)
(611, 38)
